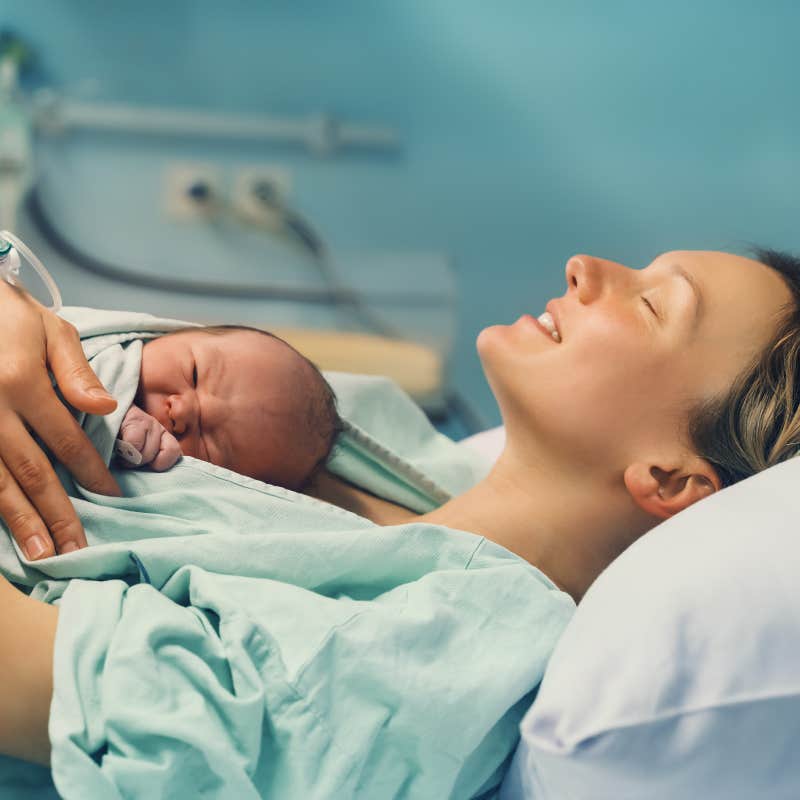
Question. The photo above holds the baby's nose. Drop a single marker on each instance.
(179, 414)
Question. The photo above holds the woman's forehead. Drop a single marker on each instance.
(732, 281)
(716, 263)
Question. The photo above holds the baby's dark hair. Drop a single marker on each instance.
(321, 418)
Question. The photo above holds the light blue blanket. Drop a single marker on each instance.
(226, 638)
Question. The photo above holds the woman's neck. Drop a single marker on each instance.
(568, 529)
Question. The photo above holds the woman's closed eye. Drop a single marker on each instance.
(650, 306)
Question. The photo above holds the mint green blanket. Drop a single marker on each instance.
(222, 637)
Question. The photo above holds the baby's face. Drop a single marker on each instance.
(228, 399)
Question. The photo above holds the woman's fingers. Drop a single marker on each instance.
(31, 497)
(75, 378)
(69, 444)
(32, 501)
(81, 387)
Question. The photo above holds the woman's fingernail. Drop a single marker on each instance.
(35, 547)
(69, 547)
(100, 394)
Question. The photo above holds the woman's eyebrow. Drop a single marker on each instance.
(699, 303)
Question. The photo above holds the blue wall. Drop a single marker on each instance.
(531, 130)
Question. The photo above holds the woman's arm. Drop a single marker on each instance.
(27, 637)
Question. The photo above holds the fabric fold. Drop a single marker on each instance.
(224, 637)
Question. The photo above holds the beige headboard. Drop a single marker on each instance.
(416, 368)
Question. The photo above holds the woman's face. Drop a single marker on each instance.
(636, 347)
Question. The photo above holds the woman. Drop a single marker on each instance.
(667, 384)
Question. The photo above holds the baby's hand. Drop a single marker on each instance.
(159, 448)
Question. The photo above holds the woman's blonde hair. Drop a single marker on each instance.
(756, 422)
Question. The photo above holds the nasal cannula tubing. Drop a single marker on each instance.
(10, 248)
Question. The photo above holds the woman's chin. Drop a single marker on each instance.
(491, 343)
(484, 339)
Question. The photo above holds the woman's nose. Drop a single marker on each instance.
(179, 412)
(582, 277)
(587, 275)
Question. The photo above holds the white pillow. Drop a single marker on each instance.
(679, 676)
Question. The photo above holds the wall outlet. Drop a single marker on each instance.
(259, 193)
(192, 191)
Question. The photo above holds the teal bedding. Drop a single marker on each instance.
(222, 637)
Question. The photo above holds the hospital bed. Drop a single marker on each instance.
(677, 677)
(416, 368)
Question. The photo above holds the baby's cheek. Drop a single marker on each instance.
(187, 447)
(147, 402)
(140, 398)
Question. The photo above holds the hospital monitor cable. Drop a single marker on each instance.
(334, 294)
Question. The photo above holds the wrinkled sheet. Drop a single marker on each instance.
(222, 637)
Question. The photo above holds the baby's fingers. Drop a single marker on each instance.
(169, 453)
(127, 455)
(134, 432)
(152, 441)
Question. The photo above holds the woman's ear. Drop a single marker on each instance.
(663, 491)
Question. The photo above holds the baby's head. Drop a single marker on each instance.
(240, 398)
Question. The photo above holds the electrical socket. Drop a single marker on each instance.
(259, 192)
(192, 191)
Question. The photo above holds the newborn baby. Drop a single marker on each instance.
(237, 397)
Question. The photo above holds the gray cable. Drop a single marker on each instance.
(334, 294)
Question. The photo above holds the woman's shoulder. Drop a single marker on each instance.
(389, 448)
(328, 487)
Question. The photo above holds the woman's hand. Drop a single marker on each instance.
(33, 503)
(159, 448)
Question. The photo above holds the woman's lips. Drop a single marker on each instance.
(531, 320)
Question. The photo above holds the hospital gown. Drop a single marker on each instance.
(226, 638)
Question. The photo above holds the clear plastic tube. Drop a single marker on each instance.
(12, 275)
